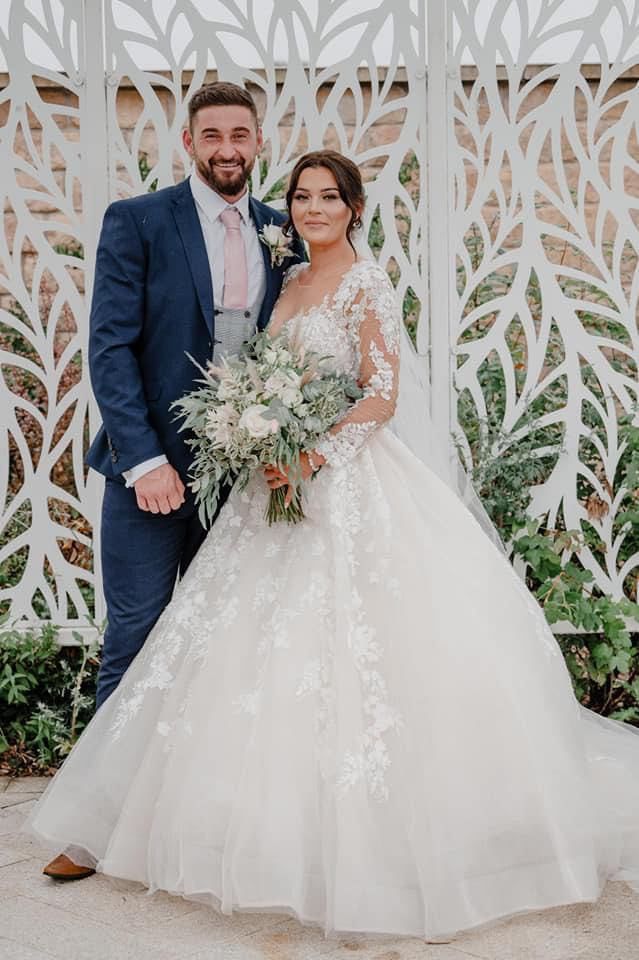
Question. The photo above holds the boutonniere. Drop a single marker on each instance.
(278, 243)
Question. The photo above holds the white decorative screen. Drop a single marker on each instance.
(544, 231)
(543, 170)
(47, 506)
(106, 124)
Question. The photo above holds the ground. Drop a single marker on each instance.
(102, 919)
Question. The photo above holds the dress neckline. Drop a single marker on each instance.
(330, 295)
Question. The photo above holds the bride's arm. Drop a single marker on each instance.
(376, 316)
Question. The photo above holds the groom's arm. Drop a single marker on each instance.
(117, 322)
(136, 473)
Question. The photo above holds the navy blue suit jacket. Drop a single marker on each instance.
(153, 304)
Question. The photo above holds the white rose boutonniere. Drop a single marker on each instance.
(278, 243)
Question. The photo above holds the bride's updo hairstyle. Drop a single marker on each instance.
(349, 183)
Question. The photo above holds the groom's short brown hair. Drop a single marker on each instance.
(221, 94)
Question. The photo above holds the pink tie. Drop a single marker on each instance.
(235, 269)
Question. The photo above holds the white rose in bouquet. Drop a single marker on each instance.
(275, 383)
(255, 424)
(290, 397)
(284, 384)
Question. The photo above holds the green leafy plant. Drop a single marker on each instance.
(505, 465)
(603, 660)
(144, 169)
(46, 697)
(73, 249)
(602, 654)
(601, 651)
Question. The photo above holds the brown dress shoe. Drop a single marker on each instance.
(62, 868)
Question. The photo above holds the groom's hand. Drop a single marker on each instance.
(160, 490)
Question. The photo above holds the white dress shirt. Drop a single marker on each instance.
(209, 206)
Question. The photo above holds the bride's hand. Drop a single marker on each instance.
(278, 476)
(275, 477)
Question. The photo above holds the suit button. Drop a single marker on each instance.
(247, 313)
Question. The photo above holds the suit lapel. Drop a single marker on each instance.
(188, 224)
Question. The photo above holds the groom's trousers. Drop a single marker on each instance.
(142, 555)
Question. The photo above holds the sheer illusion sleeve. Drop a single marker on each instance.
(375, 316)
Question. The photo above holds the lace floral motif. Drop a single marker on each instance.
(383, 380)
(369, 757)
(338, 448)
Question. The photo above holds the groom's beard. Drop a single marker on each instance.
(222, 183)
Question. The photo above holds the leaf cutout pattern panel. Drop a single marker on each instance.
(544, 233)
(47, 504)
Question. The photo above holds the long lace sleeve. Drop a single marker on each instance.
(376, 319)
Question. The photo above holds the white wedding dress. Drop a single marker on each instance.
(362, 720)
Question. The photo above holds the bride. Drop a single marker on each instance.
(330, 721)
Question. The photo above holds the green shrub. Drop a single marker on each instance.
(603, 659)
(603, 656)
(46, 697)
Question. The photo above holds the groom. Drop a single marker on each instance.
(179, 271)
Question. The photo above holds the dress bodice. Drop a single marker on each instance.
(356, 327)
(331, 328)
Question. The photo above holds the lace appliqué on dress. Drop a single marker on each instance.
(366, 303)
(338, 448)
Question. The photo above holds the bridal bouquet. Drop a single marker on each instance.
(265, 406)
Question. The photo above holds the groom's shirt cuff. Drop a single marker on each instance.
(133, 475)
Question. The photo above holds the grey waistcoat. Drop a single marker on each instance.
(233, 327)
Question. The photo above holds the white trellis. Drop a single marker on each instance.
(323, 73)
(545, 173)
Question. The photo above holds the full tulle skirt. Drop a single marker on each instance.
(361, 720)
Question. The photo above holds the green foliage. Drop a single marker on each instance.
(277, 191)
(603, 660)
(73, 249)
(376, 235)
(46, 697)
(602, 655)
(15, 562)
(506, 465)
(144, 169)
